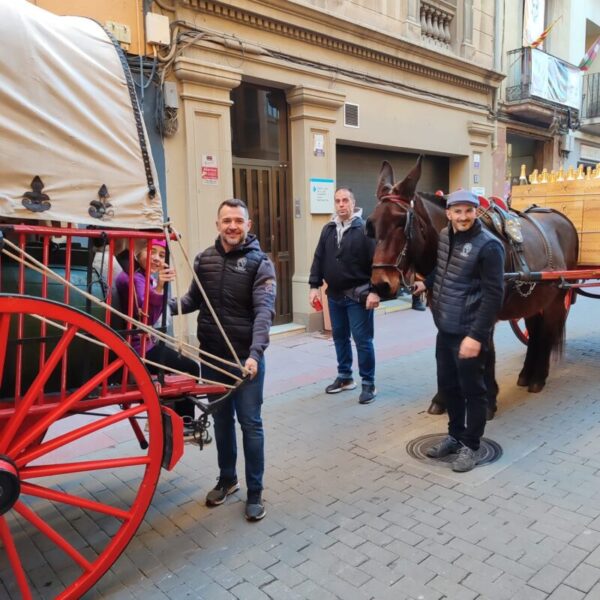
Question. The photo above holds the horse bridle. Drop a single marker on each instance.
(410, 211)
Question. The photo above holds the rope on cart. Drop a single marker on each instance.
(185, 349)
(144, 360)
(208, 304)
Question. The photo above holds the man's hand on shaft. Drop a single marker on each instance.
(252, 367)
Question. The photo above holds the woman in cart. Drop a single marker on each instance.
(161, 274)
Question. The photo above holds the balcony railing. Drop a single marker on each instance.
(534, 74)
(591, 96)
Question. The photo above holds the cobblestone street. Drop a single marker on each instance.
(350, 515)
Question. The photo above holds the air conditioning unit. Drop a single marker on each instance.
(351, 115)
(567, 142)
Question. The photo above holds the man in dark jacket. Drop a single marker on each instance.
(239, 281)
(467, 296)
(343, 259)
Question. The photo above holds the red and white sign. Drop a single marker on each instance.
(209, 171)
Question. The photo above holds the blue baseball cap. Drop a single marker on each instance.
(462, 197)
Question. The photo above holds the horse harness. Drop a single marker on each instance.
(507, 226)
(410, 215)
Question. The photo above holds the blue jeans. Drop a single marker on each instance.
(246, 404)
(348, 316)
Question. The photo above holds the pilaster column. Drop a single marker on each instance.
(313, 114)
(204, 149)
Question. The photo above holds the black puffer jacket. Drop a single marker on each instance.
(345, 266)
(468, 282)
(240, 285)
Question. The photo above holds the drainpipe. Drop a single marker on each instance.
(498, 49)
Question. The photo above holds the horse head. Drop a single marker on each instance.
(402, 227)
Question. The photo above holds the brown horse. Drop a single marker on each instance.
(406, 224)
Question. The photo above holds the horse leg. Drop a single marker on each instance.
(437, 405)
(533, 325)
(550, 339)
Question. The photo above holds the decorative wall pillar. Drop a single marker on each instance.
(479, 169)
(199, 162)
(313, 115)
(206, 155)
(467, 47)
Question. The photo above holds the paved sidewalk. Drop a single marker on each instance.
(351, 516)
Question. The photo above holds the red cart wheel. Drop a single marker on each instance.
(518, 325)
(519, 329)
(60, 527)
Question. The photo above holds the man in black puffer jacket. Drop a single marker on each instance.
(239, 281)
(343, 259)
(468, 288)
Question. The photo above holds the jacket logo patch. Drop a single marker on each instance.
(241, 264)
(466, 249)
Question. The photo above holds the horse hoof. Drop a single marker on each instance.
(490, 413)
(436, 409)
(522, 381)
(535, 388)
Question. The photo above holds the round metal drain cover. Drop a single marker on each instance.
(489, 451)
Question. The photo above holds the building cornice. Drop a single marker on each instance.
(486, 81)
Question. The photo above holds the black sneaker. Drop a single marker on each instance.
(255, 509)
(368, 393)
(448, 445)
(224, 488)
(339, 385)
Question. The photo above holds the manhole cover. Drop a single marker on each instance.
(489, 451)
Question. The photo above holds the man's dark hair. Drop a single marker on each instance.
(234, 202)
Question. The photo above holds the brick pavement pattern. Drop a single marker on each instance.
(351, 516)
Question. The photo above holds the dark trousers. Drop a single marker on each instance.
(461, 384)
(245, 404)
(170, 358)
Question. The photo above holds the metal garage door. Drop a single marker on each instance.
(359, 168)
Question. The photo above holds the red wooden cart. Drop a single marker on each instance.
(84, 429)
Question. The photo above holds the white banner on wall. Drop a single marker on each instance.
(533, 20)
(555, 80)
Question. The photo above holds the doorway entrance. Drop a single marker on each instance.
(261, 179)
(263, 186)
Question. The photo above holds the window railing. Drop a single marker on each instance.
(436, 25)
(534, 74)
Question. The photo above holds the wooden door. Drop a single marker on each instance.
(264, 187)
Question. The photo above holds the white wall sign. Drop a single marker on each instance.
(319, 144)
(321, 196)
(478, 191)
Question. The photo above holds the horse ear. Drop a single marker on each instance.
(406, 188)
(386, 179)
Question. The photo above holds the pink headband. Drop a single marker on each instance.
(159, 242)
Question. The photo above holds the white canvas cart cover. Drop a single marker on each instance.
(70, 122)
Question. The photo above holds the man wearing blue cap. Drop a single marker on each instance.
(468, 290)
